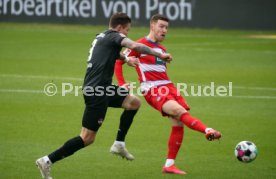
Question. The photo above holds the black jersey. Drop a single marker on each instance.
(103, 53)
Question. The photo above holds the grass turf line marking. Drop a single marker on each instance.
(20, 91)
(40, 77)
(262, 36)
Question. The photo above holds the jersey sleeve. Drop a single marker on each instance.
(117, 38)
(118, 69)
(119, 72)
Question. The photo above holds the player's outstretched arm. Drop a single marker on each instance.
(131, 61)
(126, 42)
(118, 70)
(119, 74)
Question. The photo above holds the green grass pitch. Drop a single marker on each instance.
(33, 124)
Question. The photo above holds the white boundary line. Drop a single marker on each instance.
(221, 50)
(40, 77)
(20, 91)
(240, 87)
(253, 97)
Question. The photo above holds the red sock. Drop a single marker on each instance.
(175, 141)
(193, 123)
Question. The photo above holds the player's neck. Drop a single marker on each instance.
(152, 39)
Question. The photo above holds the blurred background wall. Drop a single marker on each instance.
(225, 14)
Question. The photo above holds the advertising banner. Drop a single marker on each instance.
(242, 14)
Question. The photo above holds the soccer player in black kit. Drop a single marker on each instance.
(99, 93)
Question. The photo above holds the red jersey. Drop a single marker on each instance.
(152, 71)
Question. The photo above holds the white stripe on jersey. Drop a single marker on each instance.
(152, 67)
(142, 74)
(145, 86)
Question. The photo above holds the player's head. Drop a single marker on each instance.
(120, 22)
(159, 26)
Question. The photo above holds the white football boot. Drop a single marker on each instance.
(44, 166)
(119, 149)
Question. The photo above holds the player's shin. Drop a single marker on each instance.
(125, 123)
(192, 122)
(69, 147)
(174, 144)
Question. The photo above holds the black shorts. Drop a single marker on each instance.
(96, 105)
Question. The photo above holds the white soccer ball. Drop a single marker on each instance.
(246, 151)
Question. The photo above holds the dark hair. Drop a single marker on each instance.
(119, 18)
(157, 17)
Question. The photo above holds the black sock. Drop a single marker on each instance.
(69, 147)
(125, 123)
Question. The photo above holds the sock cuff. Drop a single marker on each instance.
(47, 159)
(132, 111)
(207, 130)
(120, 143)
(80, 141)
(169, 162)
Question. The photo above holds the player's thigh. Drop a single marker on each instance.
(173, 108)
(94, 112)
(180, 100)
(175, 94)
(116, 96)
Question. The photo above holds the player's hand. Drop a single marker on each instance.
(166, 57)
(133, 61)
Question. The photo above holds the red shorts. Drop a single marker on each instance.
(158, 95)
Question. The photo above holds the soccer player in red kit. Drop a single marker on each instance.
(161, 93)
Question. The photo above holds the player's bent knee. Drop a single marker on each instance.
(132, 103)
(88, 136)
(177, 112)
(136, 103)
(88, 140)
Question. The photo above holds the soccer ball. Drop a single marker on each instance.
(246, 151)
